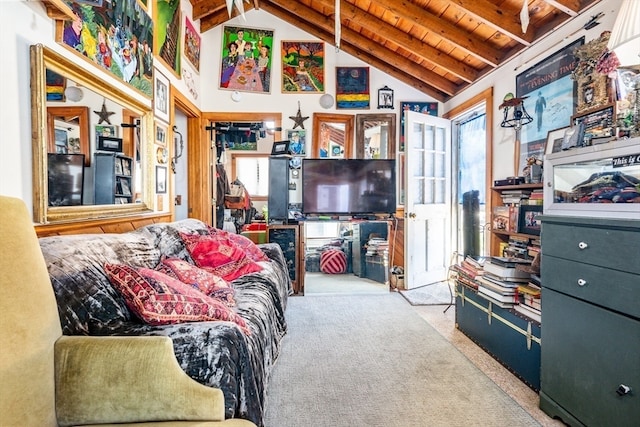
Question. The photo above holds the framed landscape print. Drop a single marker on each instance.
(167, 40)
(352, 88)
(302, 66)
(246, 59)
(192, 41)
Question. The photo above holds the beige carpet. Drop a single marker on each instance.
(321, 283)
(370, 360)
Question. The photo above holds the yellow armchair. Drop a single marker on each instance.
(52, 380)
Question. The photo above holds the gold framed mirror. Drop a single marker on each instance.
(73, 116)
(375, 136)
(332, 136)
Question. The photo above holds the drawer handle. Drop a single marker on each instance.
(581, 282)
(623, 390)
(583, 245)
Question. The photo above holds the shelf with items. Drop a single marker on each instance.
(113, 179)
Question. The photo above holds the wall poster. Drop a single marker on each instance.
(168, 23)
(246, 59)
(551, 99)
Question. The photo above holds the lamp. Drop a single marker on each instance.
(179, 147)
(625, 35)
(326, 101)
(518, 118)
(74, 93)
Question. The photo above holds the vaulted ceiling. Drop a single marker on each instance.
(439, 47)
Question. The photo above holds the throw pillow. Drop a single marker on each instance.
(333, 261)
(217, 254)
(252, 251)
(158, 299)
(206, 282)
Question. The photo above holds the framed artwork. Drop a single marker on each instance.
(105, 130)
(593, 85)
(297, 142)
(161, 179)
(595, 124)
(130, 55)
(302, 66)
(55, 86)
(192, 41)
(161, 97)
(352, 88)
(109, 143)
(528, 219)
(554, 140)
(550, 95)
(161, 134)
(246, 59)
(385, 97)
(279, 148)
(430, 108)
(167, 43)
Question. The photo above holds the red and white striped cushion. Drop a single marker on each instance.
(333, 261)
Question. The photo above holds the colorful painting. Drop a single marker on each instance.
(302, 67)
(117, 36)
(246, 59)
(352, 88)
(297, 142)
(550, 99)
(167, 41)
(192, 42)
(56, 84)
(430, 108)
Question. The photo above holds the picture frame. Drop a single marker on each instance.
(105, 130)
(385, 98)
(109, 143)
(160, 137)
(161, 97)
(166, 15)
(594, 124)
(192, 44)
(161, 179)
(555, 139)
(528, 219)
(352, 88)
(279, 148)
(302, 66)
(247, 58)
(297, 141)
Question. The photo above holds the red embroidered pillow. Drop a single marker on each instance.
(158, 299)
(206, 282)
(217, 254)
(252, 251)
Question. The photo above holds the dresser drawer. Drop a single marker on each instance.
(613, 289)
(606, 245)
(587, 353)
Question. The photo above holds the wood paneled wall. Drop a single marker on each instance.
(111, 225)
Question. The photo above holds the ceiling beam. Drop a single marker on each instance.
(417, 47)
(202, 8)
(495, 17)
(311, 24)
(434, 24)
(220, 17)
(570, 7)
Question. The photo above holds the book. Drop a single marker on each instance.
(505, 272)
(508, 299)
(507, 261)
(500, 219)
(529, 312)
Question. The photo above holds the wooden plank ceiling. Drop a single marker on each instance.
(439, 47)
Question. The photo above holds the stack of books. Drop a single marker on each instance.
(377, 246)
(517, 247)
(469, 270)
(514, 197)
(500, 281)
(535, 198)
(530, 299)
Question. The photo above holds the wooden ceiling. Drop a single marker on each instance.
(439, 47)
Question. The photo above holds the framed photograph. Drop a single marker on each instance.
(161, 97)
(352, 88)
(192, 41)
(105, 130)
(167, 38)
(385, 97)
(297, 142)
(554, 140)
(109, 143)
(161, 179)
(528, 219)
(279, 148)
(161, 134)
(246, 59)
(302, 66)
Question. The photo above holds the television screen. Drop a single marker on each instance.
(66, 174)
(348, 186)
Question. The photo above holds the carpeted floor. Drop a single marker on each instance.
(435, 294)
(367, 361)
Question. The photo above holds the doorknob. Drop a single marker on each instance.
(412, 215)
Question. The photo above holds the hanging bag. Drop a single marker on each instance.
(235, 198)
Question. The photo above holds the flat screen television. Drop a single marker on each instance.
(348, 186)
(65, 179)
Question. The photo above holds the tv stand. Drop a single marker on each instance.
(365, 217)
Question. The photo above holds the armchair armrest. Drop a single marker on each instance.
(127, 379)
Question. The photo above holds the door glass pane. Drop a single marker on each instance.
(429, 138)
(417, 138)
(440, 139)
(418, 195)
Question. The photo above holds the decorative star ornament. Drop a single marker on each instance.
(298, 119)
(104, 114)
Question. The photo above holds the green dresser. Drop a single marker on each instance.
(590, 361)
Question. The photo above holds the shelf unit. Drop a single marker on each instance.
(113, 179)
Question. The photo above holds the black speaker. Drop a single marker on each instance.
(471, 223)
(278, 189)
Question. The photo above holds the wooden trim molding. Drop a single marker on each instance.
(111, 225)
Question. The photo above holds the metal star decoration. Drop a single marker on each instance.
(298, 118)
(104, 114)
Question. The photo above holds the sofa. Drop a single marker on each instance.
(50, 380)
(218, 354)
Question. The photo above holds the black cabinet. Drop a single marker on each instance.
(113, 179)
(362, 233)
(289, 238)
(278, 203)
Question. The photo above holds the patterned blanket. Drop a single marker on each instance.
(216, 354)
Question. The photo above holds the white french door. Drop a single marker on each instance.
(428, 199)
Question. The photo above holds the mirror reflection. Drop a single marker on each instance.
(332, 136)
(375, 136)
(88, 161)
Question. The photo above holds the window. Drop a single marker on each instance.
(253, 171)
